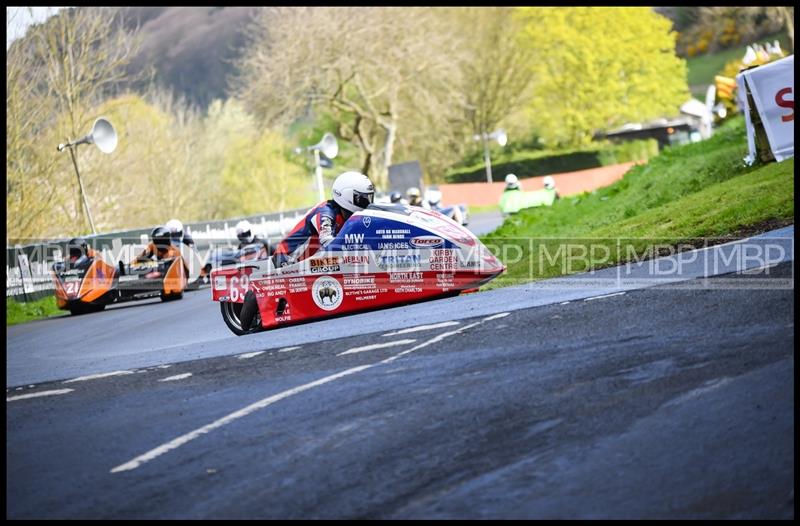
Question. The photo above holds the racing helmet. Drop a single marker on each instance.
(395, 197)
(549, 182)
(76, 248)
(434, 197)
(414, 196)
(512, 182)
(244, 231)
(175, 228)
(160, 236)
(353, 191)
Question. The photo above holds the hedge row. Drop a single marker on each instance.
(544, 163)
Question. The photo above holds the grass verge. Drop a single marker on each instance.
(685, 195)
(17, 312)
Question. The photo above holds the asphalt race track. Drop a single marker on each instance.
(594, 396)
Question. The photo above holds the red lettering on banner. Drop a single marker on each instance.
(783, 103)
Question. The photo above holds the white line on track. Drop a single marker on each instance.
(250, 355)
(42, 393)
(95, 376)
(497, 316)
(604, 296)
(422, 328)
(176, 377)
(188, 437)
(287, 349)
(375, 346)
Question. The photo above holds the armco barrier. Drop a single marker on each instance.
(28, 262)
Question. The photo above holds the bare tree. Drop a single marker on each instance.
(371, 67)
(82, 54)
(31, 191)
(497, 77)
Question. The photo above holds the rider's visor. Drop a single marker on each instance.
(363, 199)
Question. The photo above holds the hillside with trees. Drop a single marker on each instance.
(209, 103)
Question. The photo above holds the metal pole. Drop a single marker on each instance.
(486, 159)
(318, 170)
(80, 183)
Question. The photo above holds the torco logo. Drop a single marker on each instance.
(426, 241)
(327, 293)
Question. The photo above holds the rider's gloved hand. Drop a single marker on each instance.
(282, 260)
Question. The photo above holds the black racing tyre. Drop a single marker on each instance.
(234, 315)
(171, 297)
(249, 309)
(86, 308)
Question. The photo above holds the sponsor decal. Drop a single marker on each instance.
(354, 238)
(399, 261)
(426, 241)
(269, 287)
(393, 233)
(443, 259)
(324, 265)
(134, 278)
(361, 259)
(367, 221)
(406, 277)
(393, 245)
(327, 293)
(367, 297)
(219, 282)
(408, 289)
(297, 285)
(356, 281)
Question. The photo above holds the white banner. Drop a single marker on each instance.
(772, 87)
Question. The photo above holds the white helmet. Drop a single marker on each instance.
(512, 182)
(434, 197)
(353, 191)
(175, 228)
(414, 196)
(549, 182)
(244, 231)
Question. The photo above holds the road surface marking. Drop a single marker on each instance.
(250, 355)
(563, 303)
(435, 339)
(422, 328)
(95, 376)
(43, 393)
(497, 316)
(164, 366)
(375, 346)
(188, 437)
(604, 296)
(176, 377)
(287, 349)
